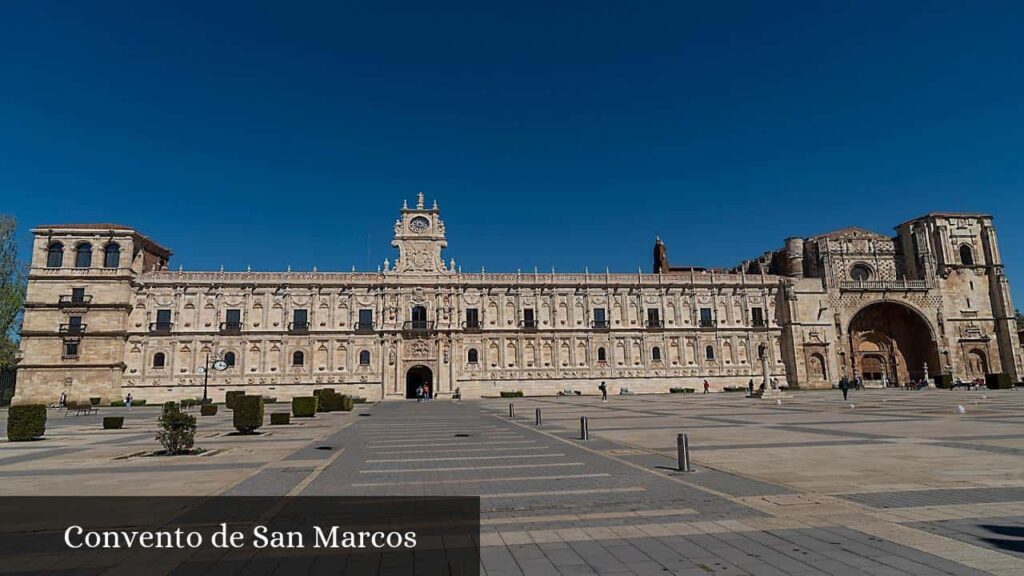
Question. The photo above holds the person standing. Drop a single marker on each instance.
(604, 391)
(63, 400)
(750, 386)
(426, 392)
(128, 401)
(707, 387)
(844, 385)
(419, 393)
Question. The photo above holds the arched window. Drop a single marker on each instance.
(83, 255)
(966, 255)
(472, 357)
(111, 255)
(159, 360)
(229, 359)
(364, 358)
(298, 358)
(709, 353)
(656, 354)
(601, 355)
(55, 255)
(860, 273)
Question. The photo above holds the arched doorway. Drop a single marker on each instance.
(891, 343)
(416, 377)
(977, 364)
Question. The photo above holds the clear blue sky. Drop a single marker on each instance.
(561, 134)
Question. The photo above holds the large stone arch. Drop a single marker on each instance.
(892, 342)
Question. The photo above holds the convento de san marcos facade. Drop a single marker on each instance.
(106, 315)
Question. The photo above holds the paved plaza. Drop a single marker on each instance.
(889, 482)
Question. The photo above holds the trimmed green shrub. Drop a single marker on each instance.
(319, 394)
(269, 400)
(358, 399)
(231, 398)
(511, 394)
(248, 414)
(138, 402)
(95, 401)
(999, 381)
(681, 390)
(177, 430)
(26, 422)
(208, 409)
(280, 418)
(304, 406)
(117, 403)
(332, 401)
(113, 422)
(347, 404)
(171, 405)
(944, 381)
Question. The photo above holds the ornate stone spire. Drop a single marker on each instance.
(419, 200)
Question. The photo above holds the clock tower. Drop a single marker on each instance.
(419, 237)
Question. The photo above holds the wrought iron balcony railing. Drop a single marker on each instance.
(653, 324)
(529, 324)
(472, 326)
(601, 325)
(418, 326)
(230, 327)
(298, 327)
(72, 329)
(72, 300)
(160, 327)
(364, 328)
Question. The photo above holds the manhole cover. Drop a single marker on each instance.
(366, 414)
(462, 435)
(324, 448)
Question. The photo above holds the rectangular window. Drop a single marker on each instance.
(233, 316)
(653, 318)
(365, 319)
(71, 349)
(163, 318)
(77, 295)
(757, 316)
(706, 320)
(472, 318)
(528, 319)
(300, 319)
(600, 318)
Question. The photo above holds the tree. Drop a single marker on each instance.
(1020, 320)
(13, 279)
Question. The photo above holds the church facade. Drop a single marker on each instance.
(105, 316)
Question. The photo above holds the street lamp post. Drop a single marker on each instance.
(218, 365)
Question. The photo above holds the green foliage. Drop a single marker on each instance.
(280, 418)
(117, 403)
(13, 281)
(511, 394)
(138, 402)
(347, 404)
(358, 399)
(304, 406)
(113, 422)
(248, 414)
(681, 390)
(177, 430)
(231, 398)
(999, 381)
(1020, 320)
(320, 394)
(208, 409)
(95, 401)
(26, 422)
(332, 401)
(269, 400)
(171, 405)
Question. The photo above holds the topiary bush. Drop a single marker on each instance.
(208, 409)
(304, 406)
(512, 394)
(269, 400)
(117, 403)
(347, 404)
(319, 394)
(280, 418)
(95, 401)
(113, 422)
(26, 422)
(177, 431)
(999, 381)
(248, 413)
(138, 402)
(331, 401)
(171, 405)
(231, 398)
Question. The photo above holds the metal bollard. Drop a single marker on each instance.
(538, 417)
(511, 411)
(584, 429)
(683, 449)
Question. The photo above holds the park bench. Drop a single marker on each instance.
(80, 408)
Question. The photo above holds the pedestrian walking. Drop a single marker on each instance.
(750, 386)
(604, 392)
(707, 387)
(844, 385)
(419, 393)
(128, 401)
(63, 400)
(426, 392)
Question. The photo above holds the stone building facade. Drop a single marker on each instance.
(106, 317)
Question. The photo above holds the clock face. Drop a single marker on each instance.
(419, 224)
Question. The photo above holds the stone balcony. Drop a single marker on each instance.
(885, 286)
